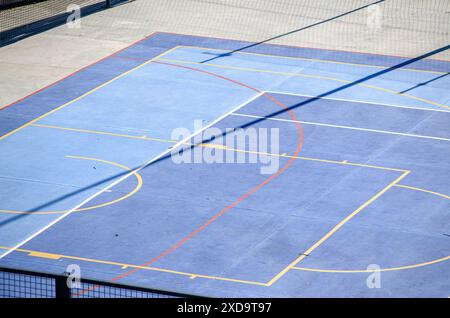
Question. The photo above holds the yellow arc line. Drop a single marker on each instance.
(443, 259)
(392, 268)
(309, 76)
(423, 190)
(136, 189)
(336, 228)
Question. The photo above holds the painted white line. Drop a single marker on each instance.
(361, 102)
(132, 172)
(345, 127)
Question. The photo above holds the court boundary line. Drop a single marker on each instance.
(344, 127)
(300, 58)
(55, 256)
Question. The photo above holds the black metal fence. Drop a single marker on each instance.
(10, 3)
(16, 283)
(22, 18)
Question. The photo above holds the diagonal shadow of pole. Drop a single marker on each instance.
(424, 83)
(292, 32)
(250, 123)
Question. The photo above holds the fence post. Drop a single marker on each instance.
(61, 288)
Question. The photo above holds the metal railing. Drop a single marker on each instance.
(24, 18)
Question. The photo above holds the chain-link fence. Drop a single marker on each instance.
(24, 284)
(19, 18)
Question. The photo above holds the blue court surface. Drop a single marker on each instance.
(87, 176)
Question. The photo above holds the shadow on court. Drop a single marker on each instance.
(290, 32)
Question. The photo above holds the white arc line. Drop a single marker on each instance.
(345, 127)
(132, 172)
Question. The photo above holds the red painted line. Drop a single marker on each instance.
(78, 71)
(240, 199)
(246, 195)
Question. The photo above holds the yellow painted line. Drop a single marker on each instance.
(443, 259)
(312, 60)
(134, 191)
(336, 228)
(215, 146)
(85, 94)
(44, 255)
(285, 155)
(344, 163)
(309, 76)
(423, 190)
(348, 163)
(96, 132)
(125, 266)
